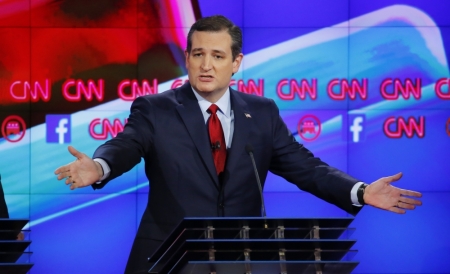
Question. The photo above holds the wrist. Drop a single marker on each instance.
(361, 193)
(99, 170)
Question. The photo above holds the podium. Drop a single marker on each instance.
(257, 245)
(13, 257)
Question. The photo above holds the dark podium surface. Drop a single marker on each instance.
(13, 255)
(257, 245)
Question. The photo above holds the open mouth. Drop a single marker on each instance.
(206, 77)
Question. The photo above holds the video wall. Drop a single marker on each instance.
(365, 85)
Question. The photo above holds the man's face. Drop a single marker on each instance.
(210, 63)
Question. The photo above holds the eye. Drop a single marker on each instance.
(218, 57)
(197, 54)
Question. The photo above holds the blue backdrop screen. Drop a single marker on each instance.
(365, 85)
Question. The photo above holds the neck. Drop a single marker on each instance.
(211, 97)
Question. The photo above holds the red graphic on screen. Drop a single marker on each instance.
(300, 88)
(440, 87)
(397, 127)
(99, 129)
(392, 88)
(49, 44)
(15, 13)
(13, 128)
(339, 88)
(309, 127)
(70, 13)
(14, 63)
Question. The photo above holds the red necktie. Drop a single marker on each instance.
(218, 146)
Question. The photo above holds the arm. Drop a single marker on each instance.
(383, 195)
(120, 153)
(299, 166)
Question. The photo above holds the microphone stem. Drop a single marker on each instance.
(263, 207)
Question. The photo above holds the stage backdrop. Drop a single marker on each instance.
(363, 84)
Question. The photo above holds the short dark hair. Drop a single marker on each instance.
(218, 23)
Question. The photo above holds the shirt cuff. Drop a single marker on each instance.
(105, 167)
(353, 194)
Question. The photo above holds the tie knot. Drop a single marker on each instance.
(213, 109)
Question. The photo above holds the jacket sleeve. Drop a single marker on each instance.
(295, 163)
(126, 150)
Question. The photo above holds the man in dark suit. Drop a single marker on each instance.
(170, 132)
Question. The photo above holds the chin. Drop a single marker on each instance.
(205, 89)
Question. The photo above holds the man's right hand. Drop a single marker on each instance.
(80, 173)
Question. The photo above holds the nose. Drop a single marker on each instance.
(206, 63)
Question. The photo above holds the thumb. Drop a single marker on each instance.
(75, 152)
(394, 178)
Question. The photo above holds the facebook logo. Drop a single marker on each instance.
(58, 128)
(356, 127)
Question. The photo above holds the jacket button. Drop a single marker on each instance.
(221, 206)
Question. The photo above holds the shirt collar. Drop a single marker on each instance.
(223, 103)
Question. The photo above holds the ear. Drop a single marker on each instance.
(186, 55)
(237, 62)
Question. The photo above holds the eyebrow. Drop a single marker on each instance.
(214, 50)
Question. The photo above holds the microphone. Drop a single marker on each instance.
(215, 145)
(249, 150)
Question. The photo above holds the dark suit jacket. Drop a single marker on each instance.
(168, 131)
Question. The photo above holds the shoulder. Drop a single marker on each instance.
(254, 102)
(251, 98)
(164, 99)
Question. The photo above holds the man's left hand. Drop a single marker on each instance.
(383, 195)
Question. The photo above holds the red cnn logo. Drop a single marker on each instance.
(99, 129)
(395, 128)
(136, 90)
(299, 88)
(438, 88)
(23, 91)
(397, 88)
(309, 128)
(73, 90)
(251, 87)
(352, 88)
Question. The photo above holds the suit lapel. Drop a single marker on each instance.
(242, 126)
(192, 117)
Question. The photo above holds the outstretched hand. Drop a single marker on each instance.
(383, 195)
(80, 173)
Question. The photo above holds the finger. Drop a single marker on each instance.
(405, 205)
(395, 177)
(61, 169)
(410, 193)
(73, 185)
(397, 210)
(75, 152)
(68, 181)
(63, 175)
(410, 201)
